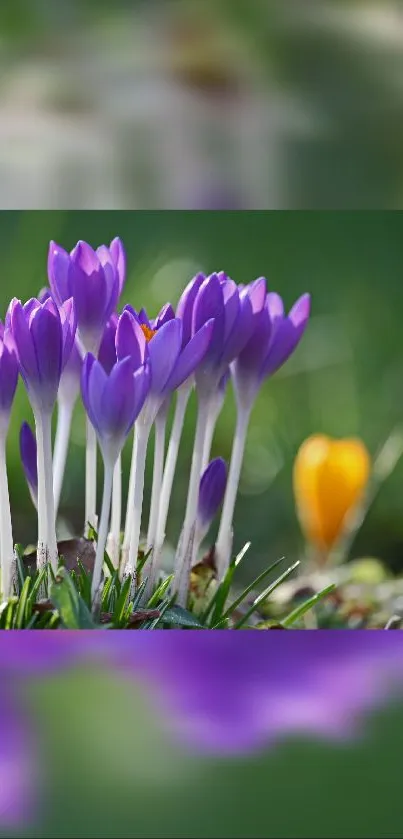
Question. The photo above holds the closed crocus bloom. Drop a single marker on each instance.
(330, 478)
(211, 493)
(44, 337)
(273, 339)
(29, 460)
(113, 403)
(233, 308)
(170, 364)
(94, 279)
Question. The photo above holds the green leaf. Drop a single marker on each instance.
(220, 596)
(159, 592)
(84, 582)
(181, 617)
(266, 593)
(23, 608)
(154, 622)
(22, 573)
(121, 602)
(299, 611)
(251, 587)
(38, 583)
(108, 562)
(141, 561)
(73, 612)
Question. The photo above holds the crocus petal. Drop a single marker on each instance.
(59, 272)
(231, 307)
(287, 336)
(241, 332)
(24, 343)
(118, 400)
(190, 357)
(8, 374)
(184, 309)
(130, 339)
(107, 350)
(93, 380)
(69, 326)
(211, 492)
(164, 349)
(47, 338)
(86, 258)
(118, 255)
(256, 292)
(167, 313)
(210, 304)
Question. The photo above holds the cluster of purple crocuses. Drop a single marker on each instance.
(128, 368)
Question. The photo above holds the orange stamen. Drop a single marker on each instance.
(147, 332)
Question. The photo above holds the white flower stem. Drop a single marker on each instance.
(129, 504)
(47, 544)
(64, 416)
(158, 468)
(6, 531)
(90, 479)
(224, 538)
(103, 530)
(182, 399)
(208, 440)
(142, 437)
(116, 518)
(193, 491)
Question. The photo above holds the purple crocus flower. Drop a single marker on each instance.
(94, 279)
(221, 693)
(170, 364)
(28, 455)
(44, 337)
(160, 342)
(211, 493)
(234, 309)
(113, 403)
(274, 339)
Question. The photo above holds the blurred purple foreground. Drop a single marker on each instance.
(221, 692)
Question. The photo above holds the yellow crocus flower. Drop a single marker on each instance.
(330, 477)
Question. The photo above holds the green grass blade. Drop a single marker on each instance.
(23, 611)
(299, 611)
(159, 592)
(220, 596)
(251, 587)
(266, 593)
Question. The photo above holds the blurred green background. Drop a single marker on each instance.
(180, 104)
(112, 770)
(345, 379)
